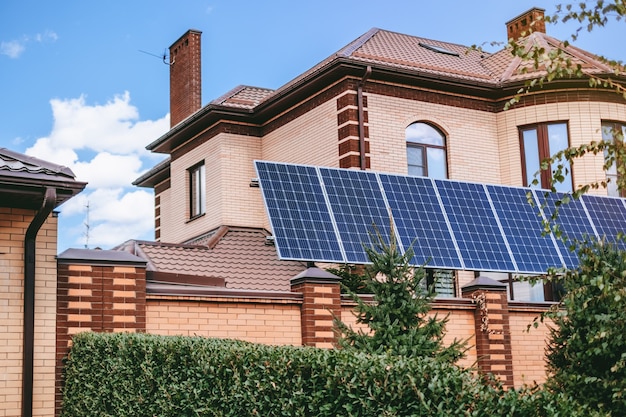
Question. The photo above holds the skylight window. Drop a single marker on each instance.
(438, 49)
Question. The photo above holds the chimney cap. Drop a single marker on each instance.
(522, 25)
(538, 9)
(190, 31)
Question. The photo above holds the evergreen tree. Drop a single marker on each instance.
(586, 352)
(398, 319)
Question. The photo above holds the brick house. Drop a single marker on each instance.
(385, 102)
(30, 191)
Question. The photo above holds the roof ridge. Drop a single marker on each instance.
(357, 43)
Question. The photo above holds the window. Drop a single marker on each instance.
(539, 142)
(197, 191)
(613, 131)
(519, 288)
(426, 151)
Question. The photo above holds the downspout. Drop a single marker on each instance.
(359, 97)
(49, 201)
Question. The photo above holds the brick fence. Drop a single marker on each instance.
(113, 296)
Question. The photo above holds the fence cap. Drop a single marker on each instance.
(484, 283)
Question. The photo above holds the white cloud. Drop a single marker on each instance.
(12, 49)
(15, 48)
(109, 171)
(104, 145)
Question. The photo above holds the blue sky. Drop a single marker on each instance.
(81, 85)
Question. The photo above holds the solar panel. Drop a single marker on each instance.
(327, 215)
(608, 214)
(571, 219)
(474, 226)
(301, 223)
(358, 206)
(420, 221)
(522, 225)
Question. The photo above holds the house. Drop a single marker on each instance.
(386, 102)
(30, 191)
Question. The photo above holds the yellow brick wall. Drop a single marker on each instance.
(472, 137)
(583, 118)
(310, 139)
(528, 347)
(230, 199)
(13, 225)
(267, 323)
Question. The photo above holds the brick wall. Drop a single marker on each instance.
(13, 225)
(96, 297)
(269, 322)
(527, 344)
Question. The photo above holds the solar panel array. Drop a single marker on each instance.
(329, 215)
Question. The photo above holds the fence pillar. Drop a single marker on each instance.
(100, 291)
(491, 324)
(321, 303)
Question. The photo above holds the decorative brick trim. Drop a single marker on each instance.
(492, 329)
(321, 303)
(99, 298)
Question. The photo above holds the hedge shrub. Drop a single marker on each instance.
(146, 375)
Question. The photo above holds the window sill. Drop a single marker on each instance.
(195, 218)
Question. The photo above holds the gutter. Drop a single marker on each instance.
(48, 204)
(359, 94)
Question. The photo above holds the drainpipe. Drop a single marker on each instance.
(359, 94)
(49, 201)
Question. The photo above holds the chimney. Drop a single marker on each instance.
(526, 23)
(185, 81)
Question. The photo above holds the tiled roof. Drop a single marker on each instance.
(427, 57)
(24, 180)
(244, 97)
(240, 256)
(17, 164)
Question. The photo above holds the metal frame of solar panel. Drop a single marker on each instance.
(327, 215)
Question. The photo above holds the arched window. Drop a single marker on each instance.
(426, 151)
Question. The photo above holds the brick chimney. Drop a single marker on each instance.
(526, 23)
(185, 81)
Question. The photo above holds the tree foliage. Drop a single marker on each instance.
(398, 320)
(550, 64)
(587, 344)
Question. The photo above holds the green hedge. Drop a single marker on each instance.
(145, 375)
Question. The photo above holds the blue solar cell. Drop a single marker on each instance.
(420, 221)
(522, 224)
(474, 226)
(572, 221)
(608, 214)
(300, 219)
(357, 204)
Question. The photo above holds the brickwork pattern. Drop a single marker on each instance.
(271, 323)
(321, 302)
(528, 346)
(185, 77)
(493, 333)
(348, 131)
(99, 298)
(13, 226)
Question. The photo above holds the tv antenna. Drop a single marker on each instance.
(87, 226)
(164, 56)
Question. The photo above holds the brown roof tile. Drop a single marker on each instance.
(240, 257)
(427, 56)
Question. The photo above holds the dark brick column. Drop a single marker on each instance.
(321, 303)
(99, 291)
(491, 323)
(348, 131)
